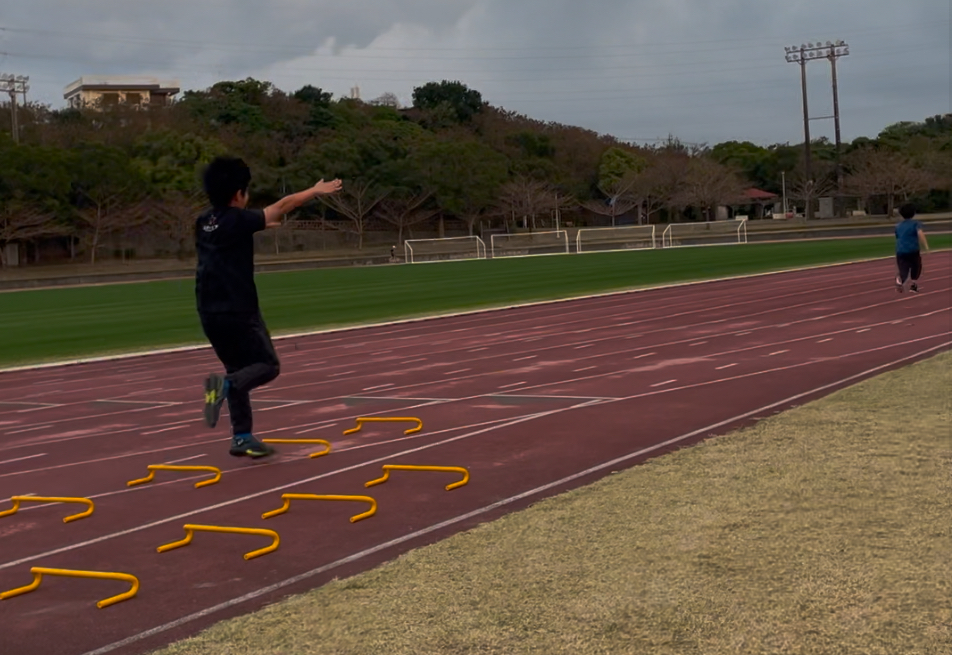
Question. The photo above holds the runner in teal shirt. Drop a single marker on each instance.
(909, 236)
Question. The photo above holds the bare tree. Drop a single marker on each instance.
(356, 201)
(176, 214)
(527, 198)
(24, 222)
(404, 208)
(889, 175)
(706, 184)
(660, 182)
(809, 191)
(620, 198)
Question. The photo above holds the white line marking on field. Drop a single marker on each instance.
(861, 331)
(719, 368)
(588, 345)
(476, 350)
(413, 361)
(519, 359)
(742, 334)
(468, 515)
(778, 352)
(514, 384)
(698, 343)
(644, 355)
(333, 375)
(284, 406)
(659, 384)
(20, 459)
(824, 340)
(462, 370)
(580, 370)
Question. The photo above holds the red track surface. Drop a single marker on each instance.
(533, 400)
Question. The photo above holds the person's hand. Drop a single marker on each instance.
(323, 188)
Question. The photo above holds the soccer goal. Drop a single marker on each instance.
(529, 244)
(436, 250)
(714, 233)
(627, 237)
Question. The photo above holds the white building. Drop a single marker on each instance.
(106, 90)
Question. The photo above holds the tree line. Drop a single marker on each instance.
(92, 173)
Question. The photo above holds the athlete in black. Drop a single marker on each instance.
(226, 294)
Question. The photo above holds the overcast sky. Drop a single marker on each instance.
(702, 70)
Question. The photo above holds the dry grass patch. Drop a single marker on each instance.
(826, 529)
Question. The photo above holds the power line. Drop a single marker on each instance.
(14, 84)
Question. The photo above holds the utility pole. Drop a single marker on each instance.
(830, 50)
(14, 84)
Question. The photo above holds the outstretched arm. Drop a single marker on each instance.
(275, 212)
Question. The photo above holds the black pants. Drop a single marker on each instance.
(910, 265)
(243, 344)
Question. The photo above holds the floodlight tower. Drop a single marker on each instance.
(14, 84)
(830, 50)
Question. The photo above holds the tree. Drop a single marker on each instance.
(527, 198)
(107, 189)
(466, 175)
(34, 190)
(175, 214)
(404, 208)
(356, 202)
(620, 197)
(706, 184)
(452, 98)
(887, 174)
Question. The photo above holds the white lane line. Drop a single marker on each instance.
(33, 429)
(284, 406)
(462, 370)
(380, 386)
(514, 384)
(644, 355)
(743, 334)
(588, 345)
(413, 361)
(187, 459)
(824, 340)
(477, 512)
(719, 368)
(698, 343)
(20, 459)
(476, 350)
(660, 384)
(519, 359)
(172, 427)
(333, 375)
(580, 370)
(861, 331)
(778, 352)
(320, 427)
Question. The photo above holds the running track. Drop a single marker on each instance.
(533, 400)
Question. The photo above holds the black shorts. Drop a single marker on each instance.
(910, 265)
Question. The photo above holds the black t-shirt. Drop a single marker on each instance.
(224, 271)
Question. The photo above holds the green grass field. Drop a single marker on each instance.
(54, 324)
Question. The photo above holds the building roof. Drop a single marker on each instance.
(121, 83)
(758, 194)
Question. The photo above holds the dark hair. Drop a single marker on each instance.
(223, 178)
(907, 211)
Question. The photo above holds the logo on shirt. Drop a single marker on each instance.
(211, 224)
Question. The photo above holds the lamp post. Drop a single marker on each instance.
(830, 50)
(14, 84)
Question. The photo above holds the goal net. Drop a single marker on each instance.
(528, 244)
(628, 237)
(435, 250)
(714, 233)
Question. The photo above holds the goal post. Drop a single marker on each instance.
(606, 239)
(713, 233)
(417, 251)
(529, 244)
